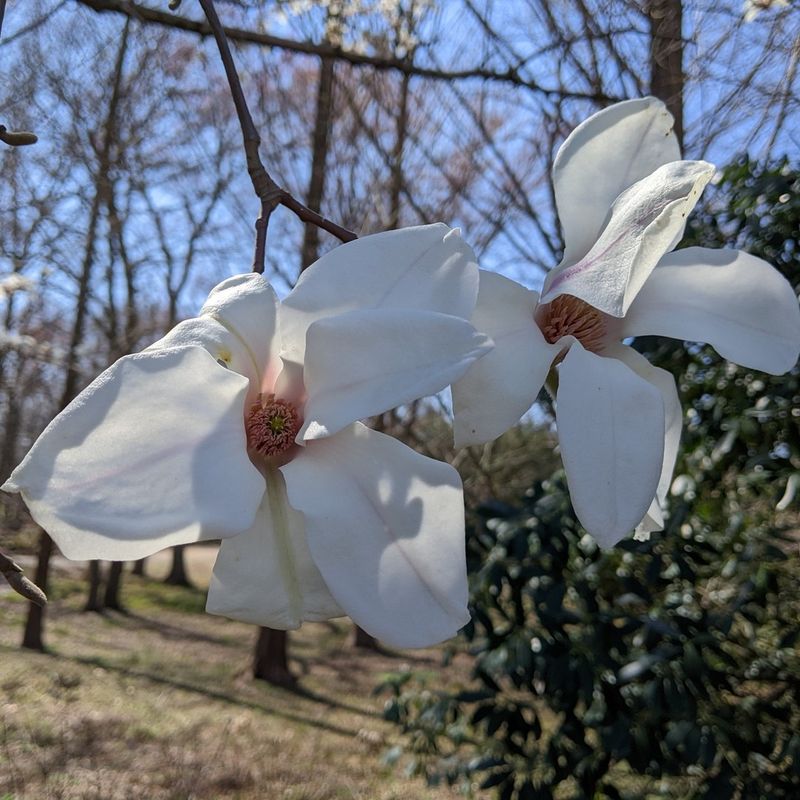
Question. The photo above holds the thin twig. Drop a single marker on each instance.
(12, 572)
(268, 192)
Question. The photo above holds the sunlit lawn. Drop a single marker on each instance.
(159, 703)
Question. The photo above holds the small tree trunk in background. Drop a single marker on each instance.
(32, 638)
(138, 567)
(363, 640)
(271, 663)
(113, 585)
(95, 579)
(178, 575)
(319, 156)
(666, 56)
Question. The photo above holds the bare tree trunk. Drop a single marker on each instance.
(363, 640)
(33, 637)
(397, 155)
(666, 56)
(95, 581)
(319, 157)
(271, 662)
(113, 586)
(138, 567)
(177, 574)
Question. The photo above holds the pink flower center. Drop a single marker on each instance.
(272, 426)
(569, 316)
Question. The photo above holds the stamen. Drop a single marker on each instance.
(570, 316)
(272, 426)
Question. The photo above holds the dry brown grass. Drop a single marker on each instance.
(158, 704)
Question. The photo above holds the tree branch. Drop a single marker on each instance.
(13, 138)
(12, 572)
(511, 76)
(268, 192)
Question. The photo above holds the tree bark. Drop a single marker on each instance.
(364, 641)
(138, 567)
(177, 574)
(271, 661)
(319, 156)
(32, 639)
(666, 56)
(95, 582)
(113, 585)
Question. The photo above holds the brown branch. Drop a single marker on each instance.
(268, 192)
(17, 138)
(12, 572)
(13, 138)
(511, 76)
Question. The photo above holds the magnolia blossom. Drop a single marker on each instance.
(241, 425)
(623, 196)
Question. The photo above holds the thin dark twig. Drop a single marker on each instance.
(12, 572)
(268, 192)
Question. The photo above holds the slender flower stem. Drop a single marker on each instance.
(268, 192)
(12, 572)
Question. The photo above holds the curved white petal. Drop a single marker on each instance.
(265, 576)
(365, 362)
(427, 268)
(611, 432)
(737, 303)
(499, 388)
(673, 425)
(646, 221)
(385, 526)
(602, 157)
(246, 306)
(225, 347)
(151, 454)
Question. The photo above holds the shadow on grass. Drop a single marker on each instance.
(224, 697)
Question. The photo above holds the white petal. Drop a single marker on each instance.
(385, 526)
(225, 347)
(365, 362)
(735, 302)
(611, 431)
(247, 306)
(500, 387)
(673, 425)
(265, 576)
(646, 221)
(428, 268)
(602, 157)
(151, 454)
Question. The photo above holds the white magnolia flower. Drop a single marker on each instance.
(623, 197)
(240, 425)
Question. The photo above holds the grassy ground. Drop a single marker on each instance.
(158, 703)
